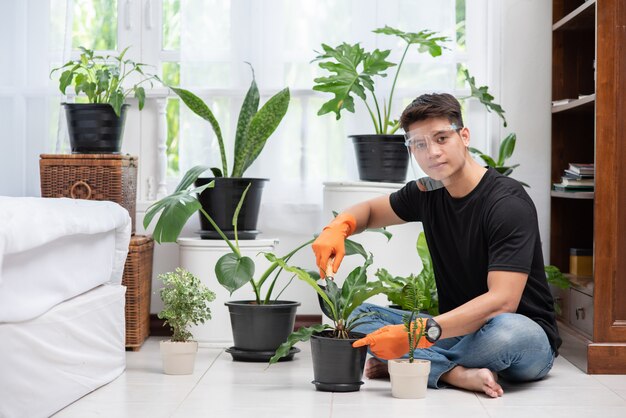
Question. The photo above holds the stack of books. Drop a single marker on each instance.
(578, 177)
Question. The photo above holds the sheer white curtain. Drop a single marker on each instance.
(32, 41)
(279, 37)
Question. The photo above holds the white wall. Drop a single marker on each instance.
(522, 62)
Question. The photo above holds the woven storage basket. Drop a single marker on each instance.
(138, 281)
(91, 176)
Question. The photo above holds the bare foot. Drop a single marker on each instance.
(376, 369)
(476, 380)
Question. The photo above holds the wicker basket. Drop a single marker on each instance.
(91, 176)
(138, 281)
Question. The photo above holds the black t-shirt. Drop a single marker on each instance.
(494, 227)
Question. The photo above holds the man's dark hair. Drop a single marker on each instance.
(429, 106)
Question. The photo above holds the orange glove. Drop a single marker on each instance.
(391, 341)
(330, 243)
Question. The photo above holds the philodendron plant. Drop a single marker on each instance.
(354, 71)
(101, 78)
(338, 302)
(233, 270)
(254, 125)
(423, 283)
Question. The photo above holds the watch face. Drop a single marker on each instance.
(433, 332)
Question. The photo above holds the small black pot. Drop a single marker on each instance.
(261, 327)
(221, 201)
(337, 366)
(381, 158)
(94, 128)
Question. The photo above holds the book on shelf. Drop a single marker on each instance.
(571, 175)
(582, 168)
(568, 181)
(560, 187)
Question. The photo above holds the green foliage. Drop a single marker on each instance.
(101, 78)
(354, 70)
(186, 302)
(556, 278)
(254, 126)
(339, 303)
(413, 301)
(423, 283)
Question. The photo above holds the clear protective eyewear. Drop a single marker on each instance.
(418, 143)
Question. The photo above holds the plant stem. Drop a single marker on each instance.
(373, 117)
(393, 86)
(219, 231)
(380, 122)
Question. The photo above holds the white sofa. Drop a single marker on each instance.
(61, 301)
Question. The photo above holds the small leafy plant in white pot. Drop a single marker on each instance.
(186, 302)
(409, 377)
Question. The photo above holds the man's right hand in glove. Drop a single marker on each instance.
(330, 243)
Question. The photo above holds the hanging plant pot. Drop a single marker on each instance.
(94, 128)
(258, 330)
(381, 158)
(221, 201)
(337, 366)
(409, 380)
(178, 357)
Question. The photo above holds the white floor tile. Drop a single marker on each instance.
(221, 387)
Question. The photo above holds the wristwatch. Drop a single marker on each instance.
(433, 330)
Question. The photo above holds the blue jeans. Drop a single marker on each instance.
(511, 345)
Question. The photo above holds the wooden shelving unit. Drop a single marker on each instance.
(588, 61)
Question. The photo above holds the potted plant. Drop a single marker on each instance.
(423, 283)
(185, 302)
(254, 127)
(98, 125)
(409, 377)
(337, 366)
(381, 156)
(259, 325)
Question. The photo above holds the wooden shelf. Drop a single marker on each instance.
(586, 104)
(572, 195)
(583, 17)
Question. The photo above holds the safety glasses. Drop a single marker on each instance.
(419, 142)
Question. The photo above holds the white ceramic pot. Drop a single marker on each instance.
(178, 358)
(409, 380)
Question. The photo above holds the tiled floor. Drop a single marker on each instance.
(223, 388)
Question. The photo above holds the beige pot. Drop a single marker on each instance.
(178, 358)
(409, 380)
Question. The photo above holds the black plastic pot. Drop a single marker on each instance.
(94, 128)
(381, 158)
(221, 201)
(261, 328)
(337, 366)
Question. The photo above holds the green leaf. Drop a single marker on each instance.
(482, 94)
(354, 69)
(117, 100)
(176, 208)
(353, 247)
(140, 94)
(556, 278)
(65, 80)
(262, 125)
(381, 231)
(424, 253)
(197, 106)
(249, 108)
(239, 205)
(216, 172)
(233, 271)
(507, 146)
(355, 281)
(302, 334)
(426, 39)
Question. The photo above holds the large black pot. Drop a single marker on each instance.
(94, 128)
(381, 158)
(337, 366)
(258, 330)
(221, 201)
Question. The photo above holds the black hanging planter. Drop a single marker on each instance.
(337, 366)
(381, 158)
(258, 330)
(221, 201)
(94, 128)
